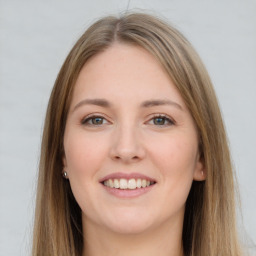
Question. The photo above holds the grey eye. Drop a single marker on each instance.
(159, 120)
(97, 120)
(94, 120)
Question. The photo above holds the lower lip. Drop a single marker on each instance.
(128, 193)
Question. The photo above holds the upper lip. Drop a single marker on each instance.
(121, 175)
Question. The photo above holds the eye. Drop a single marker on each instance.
(161, 120)
(94, 121)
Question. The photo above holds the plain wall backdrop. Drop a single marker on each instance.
(35, 38)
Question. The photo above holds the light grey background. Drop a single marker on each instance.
(36, 36)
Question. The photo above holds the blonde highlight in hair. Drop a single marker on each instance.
(210, 219)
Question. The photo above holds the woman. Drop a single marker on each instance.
(134, 157)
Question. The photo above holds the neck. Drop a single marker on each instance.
(164, 241)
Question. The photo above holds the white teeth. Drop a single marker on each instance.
(132, 184)
(127, 184)
(111, 183)
(116, 183)
(138, 183)
(123, 184)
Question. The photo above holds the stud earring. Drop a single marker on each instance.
(65, 174)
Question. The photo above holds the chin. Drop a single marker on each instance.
(129, 222)
(129, 229)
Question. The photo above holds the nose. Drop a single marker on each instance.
(126, 145)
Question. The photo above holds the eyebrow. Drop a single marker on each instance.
(152, 103)
(146, 104)
(98, 102)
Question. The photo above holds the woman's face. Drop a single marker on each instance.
(131, 146)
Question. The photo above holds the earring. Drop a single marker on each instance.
(65, 174)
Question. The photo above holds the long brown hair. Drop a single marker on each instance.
(209, 222)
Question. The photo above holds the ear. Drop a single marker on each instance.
(64, 161)
(200, 171)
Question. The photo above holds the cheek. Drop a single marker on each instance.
(176, 154)
(83, 153)
(176, 159)
(84, 156)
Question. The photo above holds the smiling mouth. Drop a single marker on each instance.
(128, 183)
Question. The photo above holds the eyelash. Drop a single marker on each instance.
(86, 121)
(166, 118)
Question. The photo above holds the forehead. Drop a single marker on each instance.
(124, 72)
